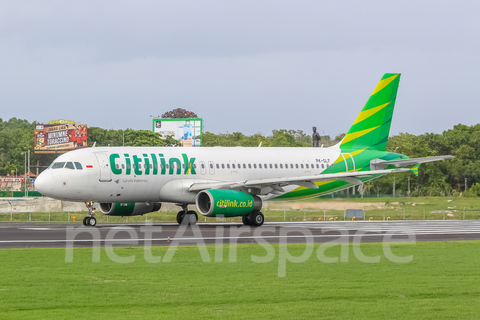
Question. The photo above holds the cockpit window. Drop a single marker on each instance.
(58, 165)
(69, 165)
(78, 165)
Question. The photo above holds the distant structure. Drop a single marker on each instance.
(315, 138)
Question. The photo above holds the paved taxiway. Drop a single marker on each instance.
(28, 235)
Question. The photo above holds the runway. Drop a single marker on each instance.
(41, 235)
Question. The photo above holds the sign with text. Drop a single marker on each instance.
(185, 131)
(60, 136)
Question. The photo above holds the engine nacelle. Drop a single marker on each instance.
(227, 203)
(128, 208)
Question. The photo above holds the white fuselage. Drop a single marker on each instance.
(120, 174)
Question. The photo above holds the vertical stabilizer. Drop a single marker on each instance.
(372, 126)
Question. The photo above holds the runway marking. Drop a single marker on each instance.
(399, 233)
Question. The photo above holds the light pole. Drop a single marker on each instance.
(394, 175)
(466, 184)
(409, 186)
(25, 174)
(394, 185)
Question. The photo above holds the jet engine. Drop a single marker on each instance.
(227, 203)
(128, 208)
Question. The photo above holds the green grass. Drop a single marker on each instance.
(442, 282)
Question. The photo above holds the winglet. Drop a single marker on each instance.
(414, 169)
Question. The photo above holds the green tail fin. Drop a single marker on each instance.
(372, 126)
(414, 169)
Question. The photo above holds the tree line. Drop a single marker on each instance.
(437, 178)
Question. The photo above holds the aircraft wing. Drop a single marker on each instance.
(305, 181)
(378, 164)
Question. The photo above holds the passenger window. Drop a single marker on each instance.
(223, 166)
(271, 166)
(244, 166)
(233, 165)
(286, 165)
(276, 166)
(322, 166)
(133, 166)
(266, 167)
(123, 166)
(194, 166)
(301, 165)
(117, 166)
(260, 165)
(255, 166)
(296, 165)
(228, 165)
(306, 166)
(218, 166)
(152, 167)
(166, 166)
(211, 166)
(183, 166)
(333, 166)
(203, 166)
(291, 165)
(58, 165)
(78, 165)
(128, 166)
(281, 166)
(249, 166)
(70, 165)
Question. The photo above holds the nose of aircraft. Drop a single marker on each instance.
(44, 183)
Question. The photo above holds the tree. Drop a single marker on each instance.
(179, 113)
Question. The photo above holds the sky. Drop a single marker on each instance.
(247, 66)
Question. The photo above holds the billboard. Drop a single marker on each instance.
(60, 136)
(185, 131)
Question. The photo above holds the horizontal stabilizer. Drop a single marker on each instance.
(415, 169)
(378, 164)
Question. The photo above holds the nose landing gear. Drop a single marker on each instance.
(90, 221)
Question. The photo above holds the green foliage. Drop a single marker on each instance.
(442, 177)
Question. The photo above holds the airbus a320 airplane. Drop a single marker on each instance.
(228, 182)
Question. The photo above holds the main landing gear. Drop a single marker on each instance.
(254, 219)
(187, 216)
(90, 220)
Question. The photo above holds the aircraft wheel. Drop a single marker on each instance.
(256, 218)
(192, 217)
(180, 216)
(85, 221)
(92, 221)
(246, 220)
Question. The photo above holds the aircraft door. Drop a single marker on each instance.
(202, 166)
(211, 167)
(105, 172)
